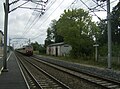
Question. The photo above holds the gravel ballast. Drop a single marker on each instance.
(102, 72)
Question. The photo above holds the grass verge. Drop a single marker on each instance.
(91, 62)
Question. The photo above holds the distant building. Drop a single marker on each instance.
(58, 49)
(1, 43)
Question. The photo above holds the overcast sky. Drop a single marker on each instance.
(26, 23)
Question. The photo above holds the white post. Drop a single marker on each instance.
(96, 51)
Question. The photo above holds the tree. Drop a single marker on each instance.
(52, 36)
(42, 49)
(48, 40)
(35, 46)
(39, 47)
(78, 30)
(102, 37)
(116, 24)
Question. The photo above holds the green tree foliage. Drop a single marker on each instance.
(52, 36)
(116, 24)
(48, 40)
(102, 37)
(39, 47)
(35, 46)
(57, 38)
(78, 30)
(42, 49)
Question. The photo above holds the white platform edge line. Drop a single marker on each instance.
(1, 70)
(7, 60)
(9, 56)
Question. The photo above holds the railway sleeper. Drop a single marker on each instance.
(106, 84)
(102, 82)
(114, 86)
(44, 84)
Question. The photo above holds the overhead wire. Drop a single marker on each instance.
(90, 9)
(49, 16)
(102, 6)
(75, 2)
(32, 23)
(47, 19)
(14, 2)
(26, 26)
(110, 3)
(28, 23)
(36, 20)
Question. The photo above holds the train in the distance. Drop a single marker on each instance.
(26, 50)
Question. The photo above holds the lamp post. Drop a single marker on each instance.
(6, 10)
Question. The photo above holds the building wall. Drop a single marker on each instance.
(65, 49)
(54, 50)
(59, 50)
(51, 50)
(48, 50)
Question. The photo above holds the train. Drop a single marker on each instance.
(26, 50)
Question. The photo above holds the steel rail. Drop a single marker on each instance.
(62, 85)
(29, 73)
(107, 83)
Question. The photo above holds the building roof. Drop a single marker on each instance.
(56, 44)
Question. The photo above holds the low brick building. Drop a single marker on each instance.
(58, 49)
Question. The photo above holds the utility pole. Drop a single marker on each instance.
(29, 42)
(109, 34)
(6, 9)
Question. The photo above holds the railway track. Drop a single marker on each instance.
(69, 77)
(37, 78)
(100, 81)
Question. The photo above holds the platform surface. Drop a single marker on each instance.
(12, 79)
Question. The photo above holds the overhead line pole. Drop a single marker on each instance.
(109, 34)
(6, 9)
